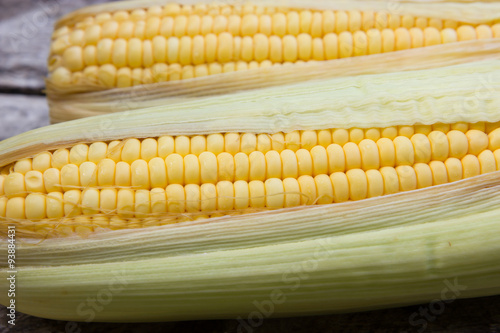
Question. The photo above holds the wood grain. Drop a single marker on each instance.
(25, 30)
(21, 113)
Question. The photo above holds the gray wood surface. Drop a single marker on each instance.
(25, 29)
(21, 113)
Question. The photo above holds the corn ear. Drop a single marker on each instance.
(385, 251)
(97, 59)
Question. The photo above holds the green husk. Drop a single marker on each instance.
(381, 252)
(330, 266)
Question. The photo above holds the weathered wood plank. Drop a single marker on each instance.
(25, 30)
(20, 113)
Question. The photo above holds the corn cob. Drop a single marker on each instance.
(277, 199)
(124, 48)
(170, 179)
(158, 53)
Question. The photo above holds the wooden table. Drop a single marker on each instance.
(25, 28)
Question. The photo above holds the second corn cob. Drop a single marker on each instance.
(123, 48)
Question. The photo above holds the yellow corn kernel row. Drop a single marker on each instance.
(172, 10)
(109, 76)
(268, 21)
(170, 55)
(84, 224)
(131, 150)
(208, 167)
(226, 196)
(225, 47)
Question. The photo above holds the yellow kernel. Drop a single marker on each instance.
(225, 196)
(388, 40)
(256, 193)
(208, 167)
(358, 184)
(352, 156)
(336, 158)
(458, 144)
(241, 166)
(257, 166)
(439, 145)
(290, 48)
(122, 174)
(424, 175)
(345, 44)
(340, 186)
(308, 190)
(176, 198)
(319, 160)
(466, 32)
(331, 46)
(439, 172)
(226, 170)
(304, 162)
(387, 152)
(478, 141)
(471, 166)
(422, 148)
(407, 177)
(370, 158)
(375, 183)
(453, 169)
(15, 208)
(175, 169)
(391, 180)
(404, 151)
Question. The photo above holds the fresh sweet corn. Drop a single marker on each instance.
(174, 178)
(336, 194)
(123, 56)
(123, 48)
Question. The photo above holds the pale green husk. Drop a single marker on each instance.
(380, 252)
(383, 252)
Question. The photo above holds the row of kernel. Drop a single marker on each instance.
(211, 168)
(224, 196)
(109, 76)
(317, 24)
(472, 138)
(225, 47)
